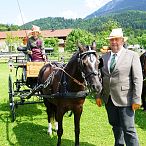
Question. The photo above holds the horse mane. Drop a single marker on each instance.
(72, 65)
(73, 58)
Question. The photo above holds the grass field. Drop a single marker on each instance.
(30, 126)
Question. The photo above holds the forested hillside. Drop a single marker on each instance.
(130, 19)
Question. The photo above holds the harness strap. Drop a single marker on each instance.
(75, 80)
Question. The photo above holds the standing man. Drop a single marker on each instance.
(122, 87)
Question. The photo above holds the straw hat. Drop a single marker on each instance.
(117, 33)
(35, 29)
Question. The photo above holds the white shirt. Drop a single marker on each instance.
(116, 57)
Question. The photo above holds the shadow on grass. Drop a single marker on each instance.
(22, 110)
(140, 119)
(29, 134)
(28, 110)
(4, 112)
(4, 107)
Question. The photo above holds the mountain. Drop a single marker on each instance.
(128, 19)
(117, 6)
(127, 13)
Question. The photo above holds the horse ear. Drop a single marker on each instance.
(80, 46)
(94, 45)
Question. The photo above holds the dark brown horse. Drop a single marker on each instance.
(67, 87)
(143, 64)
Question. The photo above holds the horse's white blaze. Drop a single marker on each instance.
(92, 61)
(50, 129)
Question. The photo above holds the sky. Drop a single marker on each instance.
(19, 12)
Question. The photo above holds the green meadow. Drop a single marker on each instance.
(30, 126)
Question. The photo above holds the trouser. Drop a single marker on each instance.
(122, 121)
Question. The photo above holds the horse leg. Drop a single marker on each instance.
(56, 122)
(49, 114)
(49, 131)
(77, 116)
(60, 114)
(56, 126)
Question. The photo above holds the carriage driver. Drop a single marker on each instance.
(35, 46)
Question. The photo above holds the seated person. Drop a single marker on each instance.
(35, 47)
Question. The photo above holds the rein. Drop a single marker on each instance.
(82, 55)
(48, 82)
(50, 78)
(75, 80)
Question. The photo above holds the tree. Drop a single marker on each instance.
(143, 41)
(13, 42)
(105, 31)
(52, 43)
(76, 35)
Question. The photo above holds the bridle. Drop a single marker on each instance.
(81, 57)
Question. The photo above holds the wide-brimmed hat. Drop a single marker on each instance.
(117, 33)
(35, 29)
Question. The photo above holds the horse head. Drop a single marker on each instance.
(89, 66)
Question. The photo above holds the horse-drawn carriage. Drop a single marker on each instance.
(25, 81)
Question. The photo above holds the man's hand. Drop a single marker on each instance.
(99, 102)
(135, 106)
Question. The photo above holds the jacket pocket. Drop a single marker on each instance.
(124, 88)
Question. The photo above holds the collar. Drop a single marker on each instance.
(118, 53)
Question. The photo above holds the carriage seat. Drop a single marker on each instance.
(23, 49)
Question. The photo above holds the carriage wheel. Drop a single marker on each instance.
(11, 99)
(17, 85)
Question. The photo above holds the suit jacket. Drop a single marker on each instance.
(124, 84)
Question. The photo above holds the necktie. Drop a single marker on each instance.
(113, 63)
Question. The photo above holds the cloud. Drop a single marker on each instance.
(69, 14)
(95, 4)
